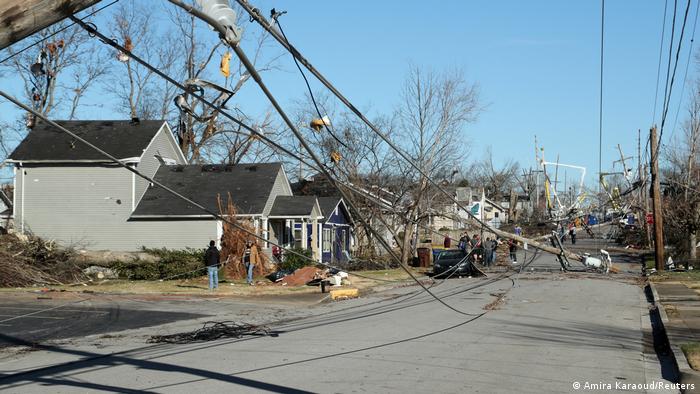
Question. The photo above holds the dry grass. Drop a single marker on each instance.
(692, 353)
(199, 286)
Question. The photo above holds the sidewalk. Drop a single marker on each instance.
(679, 307)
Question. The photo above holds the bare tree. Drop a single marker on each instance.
(55, 75)
(432, 117)
(187, 50)
(682, 176)
(497, 181)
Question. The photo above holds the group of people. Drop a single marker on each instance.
(212, 258)
(483, 251)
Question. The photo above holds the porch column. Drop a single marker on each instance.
(266, 232)
(304, 237)
(314, 240)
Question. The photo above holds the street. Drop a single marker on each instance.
(550, 331)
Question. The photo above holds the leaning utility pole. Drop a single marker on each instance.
(656, 200)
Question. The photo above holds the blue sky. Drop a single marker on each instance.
(536, 62)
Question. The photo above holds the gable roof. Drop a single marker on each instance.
(328, 205)
(121, 138)
(293, 206)
(250, 186)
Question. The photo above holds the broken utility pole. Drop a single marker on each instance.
(22, 18)
(656, 201)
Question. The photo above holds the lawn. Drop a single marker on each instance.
(692, 353)
(199, 286)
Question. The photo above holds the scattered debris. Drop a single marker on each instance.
(212, 331)
(100, 272)
(495, 304)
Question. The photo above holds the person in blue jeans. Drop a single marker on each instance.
(211, 259)
(250, 259)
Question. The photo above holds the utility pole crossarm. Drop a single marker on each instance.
(22, 18)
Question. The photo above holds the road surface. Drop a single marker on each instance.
(550, 332)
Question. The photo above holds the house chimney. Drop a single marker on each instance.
(135, 121)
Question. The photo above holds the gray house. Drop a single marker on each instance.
(67, 192)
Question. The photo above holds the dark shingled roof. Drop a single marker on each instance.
(250, 186)
(120, 138)
(293, 206)
(327, 205)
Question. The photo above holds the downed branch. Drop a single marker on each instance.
(30, 260)
(212, 331)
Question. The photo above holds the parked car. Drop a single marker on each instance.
(452, 263)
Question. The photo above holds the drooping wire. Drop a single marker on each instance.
(56, 32)
(329, 128)
(255, 14)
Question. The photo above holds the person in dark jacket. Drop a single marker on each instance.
(212, 259)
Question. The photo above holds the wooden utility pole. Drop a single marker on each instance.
(22, 18)
(656, 201)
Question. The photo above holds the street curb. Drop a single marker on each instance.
(686, 375)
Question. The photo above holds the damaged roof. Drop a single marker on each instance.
(121, 138)
(293, 206)
(250, 186)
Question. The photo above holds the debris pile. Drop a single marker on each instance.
(30, 260)
(301, 276)
(212, 331)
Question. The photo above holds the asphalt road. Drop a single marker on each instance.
(42, 320)
(550, 332)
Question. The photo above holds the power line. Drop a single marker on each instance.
(255, 14)
(670, 49)
(658, 69)
(308, 87)
(673, 75)
(258, 79)
(687, 66)
(93, 31)
(600, 103)
(56, 32)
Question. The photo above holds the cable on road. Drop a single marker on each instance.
(213, 330)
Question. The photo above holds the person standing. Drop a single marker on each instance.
(513, 248)
(488, 252)
(251, 257)
(572, 233)
(212, 259)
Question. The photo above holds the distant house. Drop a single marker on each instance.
(66, 191)
(451, 216)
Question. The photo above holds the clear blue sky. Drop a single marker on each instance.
(537, 64)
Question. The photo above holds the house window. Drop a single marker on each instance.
(326, 240)
(495, 214)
